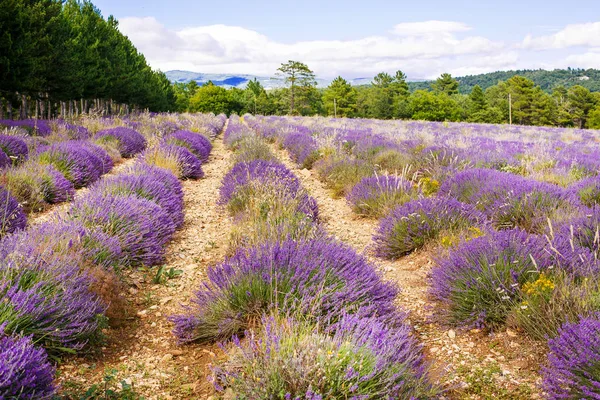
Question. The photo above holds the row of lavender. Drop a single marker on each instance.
(518, 222)
(318, 321)
(60, 279)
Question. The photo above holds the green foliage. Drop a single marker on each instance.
(65, 50)
(430, 106)
(445, 84)
(212, 98)
(344, 96)
(300, 79)
(108, 389)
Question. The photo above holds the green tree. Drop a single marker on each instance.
(299, 77)
(445, 84)
(431, 106)
(580, 102)
(343, 94)
(212, 98)
(594, 118)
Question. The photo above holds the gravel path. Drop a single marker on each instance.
(462, 359)
(143, 349)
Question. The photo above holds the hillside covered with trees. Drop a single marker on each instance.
(517, 100)
(546, 80)
(63, 57)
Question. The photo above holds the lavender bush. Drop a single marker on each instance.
(478, 282)
(179, 160)
(376, 195)
(572, 371)
(14, 148)
(130, 141)
(146, 186)
(341, 173)
(12, 217)
(48, 298)
(141, 226)
(25, 372)
(317, 279)
(411, 226)
(287, 359)
(303, 148)
(199, 145)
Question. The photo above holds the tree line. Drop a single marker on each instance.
(517, 100)
(62, 57)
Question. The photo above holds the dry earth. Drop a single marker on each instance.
(469, 364)
(143, 352)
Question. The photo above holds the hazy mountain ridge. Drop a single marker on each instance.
(589, 78)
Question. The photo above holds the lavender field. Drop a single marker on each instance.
(175, 256)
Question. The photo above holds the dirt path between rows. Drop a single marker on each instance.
(143, 350)
(467, 363)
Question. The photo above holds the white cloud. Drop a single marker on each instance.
(587, 34)
(420, 49)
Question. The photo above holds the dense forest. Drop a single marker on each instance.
(546, 80)
(62, 57)
(515, 100)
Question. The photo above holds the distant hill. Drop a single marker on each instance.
(548, 80)
(241, 80)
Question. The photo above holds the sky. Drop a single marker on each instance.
(358, 39)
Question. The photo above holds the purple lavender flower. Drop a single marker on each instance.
(5, 160)
(412, 225)
(320, 279)
(188, 165)
(38, 127)
(479, 281)
(80, 162)
(303, 148)
(375, 195)
(146, 186)
(25, 372)
(12, 217)
(130, 141)
(194, 142)
(271, 172)
(300, 352)
(14, 147)
(587, 191)
(46, 297)
(573, 361)
(509, 200)
(141, 226)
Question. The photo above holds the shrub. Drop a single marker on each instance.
(25, 372)
(79, 162)
(288, 359)
(149, 187)
(302, 147)
(38, 127)
(252, 148)
(340, 174)
(48, 298)
(199, 145)
(14, 147)
(587, 191)
(5, 160)
(411, 226)
(509, 200)
(391, 161)
(572, 371)
(318, 279)
(130, 141)
(179, 160)
(376, 195)
(12, 217)
(141, 226)
(35, 186)
(478, 282)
